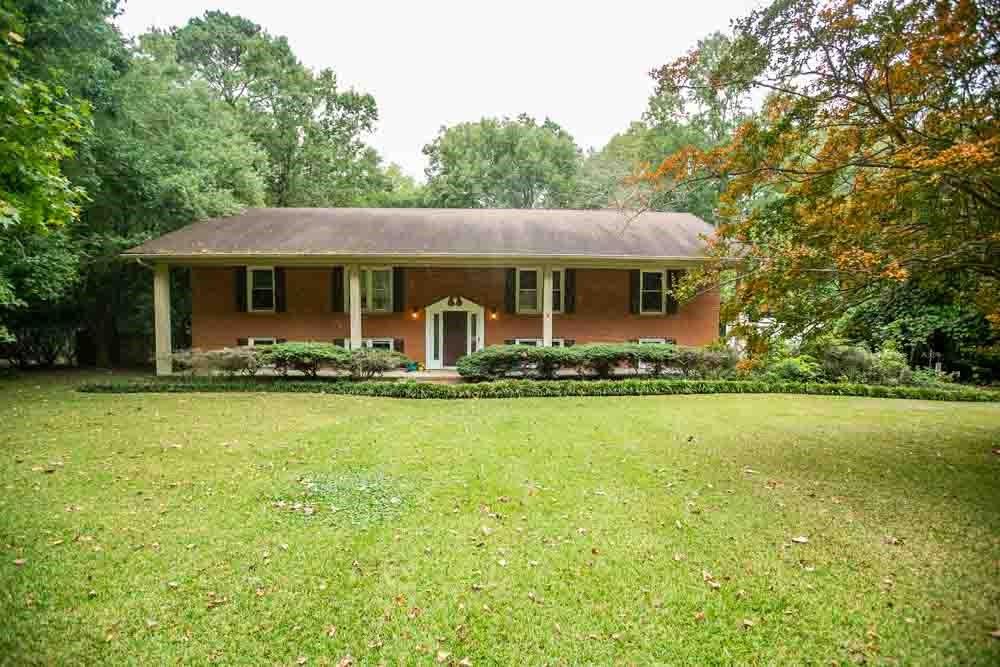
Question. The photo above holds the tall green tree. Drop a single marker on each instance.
(169, 152)
(50, 58)
(502, 163)
(311, 130)
(675, 120)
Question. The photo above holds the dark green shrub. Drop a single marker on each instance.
(601, 359)
(307, 358)
(368, 363)
(535, 389)
(930, 377)
(492, 362)
(228, 361)
(848, 363)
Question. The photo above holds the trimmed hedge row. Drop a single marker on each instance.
(536, 389)
(596, 360)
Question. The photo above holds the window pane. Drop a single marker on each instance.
(262, 299)
(528, 300)
(380, 300)
(652, 280)
(557, 280)
(437, 337)
(381, 345)
(364, 289)
(529, 279)
(556, 300)
(381, 280)
(262, 279)
(652, 302)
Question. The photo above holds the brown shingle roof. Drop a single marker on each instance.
(325, 232)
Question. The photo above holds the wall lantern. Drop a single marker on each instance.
(414, 313)
(493, 313)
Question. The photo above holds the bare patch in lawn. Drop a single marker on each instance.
(358, 498)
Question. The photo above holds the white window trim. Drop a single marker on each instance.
(556, 342)
(370, 343)
(366, 289)
(254, 342)
(274, 290)
(652, 341)
(539, 286)
(663, 292)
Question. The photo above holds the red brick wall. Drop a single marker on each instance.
(602, 310)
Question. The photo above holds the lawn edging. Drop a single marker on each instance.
(536, 389)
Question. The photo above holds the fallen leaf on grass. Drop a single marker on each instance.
(801, 539)
(331, 631)
(699, 616)
(747, 624)
(442, 656)
(20, 561)
(995, 634)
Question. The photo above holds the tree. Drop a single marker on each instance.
(395, 190)
(169, 152)
(502, 163)
(42, 123)
(310, 130)
(674, 120)
(873, 161)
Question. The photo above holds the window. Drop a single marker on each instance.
(537, 342)
(258, 342)
(652, 341)
(378, 343)
(529, 291)
(260, 289)
(376, 290)
(653, 287)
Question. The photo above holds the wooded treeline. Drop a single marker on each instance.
(108, 142)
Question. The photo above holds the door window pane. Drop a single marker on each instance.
(557, 291)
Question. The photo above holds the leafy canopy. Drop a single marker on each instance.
(873, 161)
(502, 163)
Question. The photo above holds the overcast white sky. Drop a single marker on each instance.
(584, 64)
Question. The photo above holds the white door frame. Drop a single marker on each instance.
(435, 358)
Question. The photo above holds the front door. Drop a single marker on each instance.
(456, 336)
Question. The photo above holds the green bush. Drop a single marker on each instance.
(889, 367)
(368, 363)
(307, 358)
(228, 361)
(536, 389)
(930, 377)
(601, 359)
(492, 362)
(846, 363)
(597, 360)
(802, 368)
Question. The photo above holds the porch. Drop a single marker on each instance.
(434, 314)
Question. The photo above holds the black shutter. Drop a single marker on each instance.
(398, 345)
(635, 301)
(509, 298)
(398, 290)
(280, 340)
(569, 291)
(568, 342)
(280, 302)
(509, 341)
(337, 289)
(242, 342)
(339, 342)
(240, 282)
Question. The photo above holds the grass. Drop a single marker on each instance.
(163, 528)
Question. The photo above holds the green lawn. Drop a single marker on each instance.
(165, 529)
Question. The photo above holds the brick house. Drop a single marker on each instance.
(434, 284)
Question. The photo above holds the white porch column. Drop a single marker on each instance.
(354, 278)
(161, 319)
(547, 306)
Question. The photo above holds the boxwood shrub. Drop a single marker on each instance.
(599, 360)
(536, 389)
